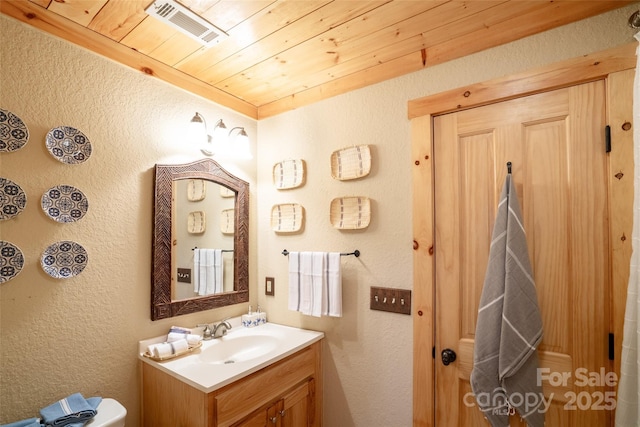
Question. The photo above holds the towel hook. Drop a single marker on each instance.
(509, 167)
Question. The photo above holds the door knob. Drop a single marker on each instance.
(448, 356)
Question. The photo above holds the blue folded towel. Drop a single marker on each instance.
(30, 422)
(74, 410)
(93, 402)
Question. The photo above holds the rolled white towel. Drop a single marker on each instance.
(151, 349)
(192, 339)
(170, 348)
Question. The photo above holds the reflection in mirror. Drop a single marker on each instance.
(202, 223)
(199, 205)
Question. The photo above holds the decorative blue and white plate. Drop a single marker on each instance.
(64, 203)
(12, 199)
(11, 261)
(68, 145)
(13, 132)
(64, 259)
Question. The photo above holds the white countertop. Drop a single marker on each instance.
(207, 377)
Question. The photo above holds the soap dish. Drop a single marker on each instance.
(254, 319)
(173, 356)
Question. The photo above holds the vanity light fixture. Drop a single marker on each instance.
(240, 149)
(221, 144)
(209, 145)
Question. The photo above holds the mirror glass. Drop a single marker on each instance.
(203, 228)
(200, 248)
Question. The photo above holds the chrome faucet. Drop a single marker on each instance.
(206, 332)
(220, 329)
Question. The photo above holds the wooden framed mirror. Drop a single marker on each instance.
(166, 243)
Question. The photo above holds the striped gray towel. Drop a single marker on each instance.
(509, 326)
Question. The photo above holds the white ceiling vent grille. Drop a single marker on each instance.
(186, 21)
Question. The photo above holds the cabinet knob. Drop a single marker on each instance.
(282, 413)
(274, 420)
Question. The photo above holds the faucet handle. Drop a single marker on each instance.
(206, 332)
(217, 332)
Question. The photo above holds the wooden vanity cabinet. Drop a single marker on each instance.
(287, 393)
(292, 410)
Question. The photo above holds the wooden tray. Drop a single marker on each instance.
(226, 192)
(350, 213)
(289, 174)
(351, 163)
(227, 221)
(173, 356)
(196, 222)
(287, 218)
(196, 190)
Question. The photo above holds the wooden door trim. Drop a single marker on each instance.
(566, 73)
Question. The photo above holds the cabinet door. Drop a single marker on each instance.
(291, 410)
(298, 406)
(275, 413)
(271, 417)
(257, 419)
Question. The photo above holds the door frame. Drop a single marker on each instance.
(614, 66)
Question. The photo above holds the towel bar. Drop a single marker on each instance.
(223, 250)
(355, 253)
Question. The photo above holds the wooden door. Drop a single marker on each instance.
(555, 142)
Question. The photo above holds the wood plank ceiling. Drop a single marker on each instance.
(280, 54)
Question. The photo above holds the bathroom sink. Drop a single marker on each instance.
(236, 349)
(242, 351)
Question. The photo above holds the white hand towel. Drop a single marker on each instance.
(196, 270)
(317, 282)
(170, 348)
(305, 289)
(305, 266)
(294, 281)
(214, 271)
(210, 277)
(201, 267)
(192, 339)
(208, 270)
(218, 266)
(332, 295)
(180, 329)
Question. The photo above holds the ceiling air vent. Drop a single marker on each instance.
(186, 21)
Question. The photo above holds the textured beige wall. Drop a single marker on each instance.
(368, 355)
(58, 337)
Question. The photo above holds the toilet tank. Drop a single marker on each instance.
(110, 414)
